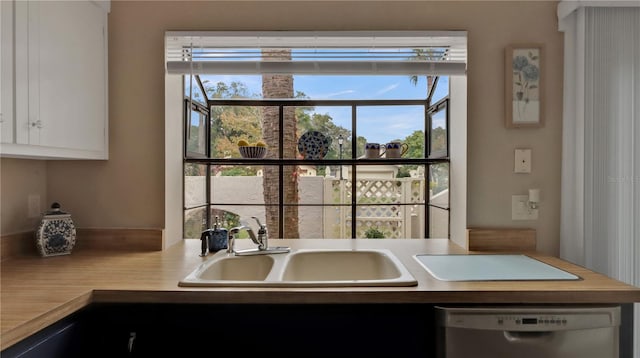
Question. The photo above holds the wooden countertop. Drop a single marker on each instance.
(36, 292)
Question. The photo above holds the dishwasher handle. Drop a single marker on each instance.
(528, 337)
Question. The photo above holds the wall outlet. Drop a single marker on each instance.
(33, 205)
(520, 209)
(522, 163)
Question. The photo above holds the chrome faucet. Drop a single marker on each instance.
(263, 236)
(262, 240)
(232, 237)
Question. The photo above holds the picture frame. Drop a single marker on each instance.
(524, 86)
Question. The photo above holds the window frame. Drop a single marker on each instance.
(428, 160)
(173, 126)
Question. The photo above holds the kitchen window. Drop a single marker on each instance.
(342, 194)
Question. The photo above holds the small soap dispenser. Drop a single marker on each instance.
(56, 234)
(218, 238)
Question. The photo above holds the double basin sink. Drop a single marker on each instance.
(302, 268)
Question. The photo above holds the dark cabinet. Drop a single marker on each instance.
(69, 337)
(303, 330)
(285, 330)
(308, 330)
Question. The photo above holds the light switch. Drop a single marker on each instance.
(522, 161)
(520, 209)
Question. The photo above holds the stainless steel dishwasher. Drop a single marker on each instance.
(527, 332)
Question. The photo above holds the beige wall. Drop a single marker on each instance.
(128, 189)
(19, 179)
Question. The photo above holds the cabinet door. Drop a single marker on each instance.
(67, 75)
(60, 80)
(68, 338)
(6, 72)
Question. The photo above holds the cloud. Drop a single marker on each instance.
(333, 94)
(388, 88)
(382, 125)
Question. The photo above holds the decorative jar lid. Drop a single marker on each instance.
(55, 210)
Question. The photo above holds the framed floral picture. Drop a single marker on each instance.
(523, 86)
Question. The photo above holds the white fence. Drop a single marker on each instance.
(378, 204)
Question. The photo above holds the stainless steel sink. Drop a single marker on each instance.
(303, 268)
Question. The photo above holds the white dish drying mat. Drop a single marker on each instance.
(490, 268)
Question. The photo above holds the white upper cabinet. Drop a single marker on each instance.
(6, 72)
(60, 83)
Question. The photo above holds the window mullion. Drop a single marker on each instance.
(354, 175)
(207, 136)
(281, 162)
(427, 153)
(204, 92)
(281, 170)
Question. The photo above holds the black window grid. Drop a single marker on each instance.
(430, 158)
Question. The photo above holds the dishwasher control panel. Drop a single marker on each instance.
(528, 319)
(541, 321)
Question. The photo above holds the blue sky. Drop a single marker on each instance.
(376, 124)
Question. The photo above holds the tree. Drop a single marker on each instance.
(279, 86)
(438, 139)
(426, 54)
(324, 123)
(415, 141)
(229, 124)
(439, 173)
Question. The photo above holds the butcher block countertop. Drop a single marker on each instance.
(36, 291)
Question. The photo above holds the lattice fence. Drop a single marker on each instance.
(382, 204)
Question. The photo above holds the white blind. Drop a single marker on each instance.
(366, 52)
(612, 147)
(601, 140)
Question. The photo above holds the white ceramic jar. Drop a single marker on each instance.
(56, 234)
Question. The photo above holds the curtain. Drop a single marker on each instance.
(600, 228)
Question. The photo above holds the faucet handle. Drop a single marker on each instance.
(262, 230)
(258, 221)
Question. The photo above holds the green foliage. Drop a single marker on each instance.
(415, 141)
(439, 177)
(227, 218)
(195, 221)
(405, 171)
(239, 171)
(324, 123)
(373, 233)
(232, 123)
(191, 169)
(222, 90)
(416, 145)
(438, 139)
(229, 124)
